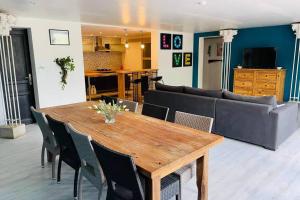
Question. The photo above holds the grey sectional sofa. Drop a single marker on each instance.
(256, 123)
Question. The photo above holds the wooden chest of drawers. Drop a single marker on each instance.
(259, 82)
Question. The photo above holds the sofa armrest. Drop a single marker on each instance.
(283, 124)
(243, 121)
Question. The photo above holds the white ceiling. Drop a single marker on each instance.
(180, 15)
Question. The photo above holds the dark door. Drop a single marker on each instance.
(23, 73)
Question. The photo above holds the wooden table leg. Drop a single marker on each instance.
(202, 177)
(121, 85)
(154, 189)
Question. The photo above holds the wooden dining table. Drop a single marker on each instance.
(157, 147)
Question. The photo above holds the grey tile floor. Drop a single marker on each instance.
(237, 171)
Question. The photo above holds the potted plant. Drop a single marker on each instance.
(66, 65)
(109, 110)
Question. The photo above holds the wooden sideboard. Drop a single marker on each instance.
(259, 82)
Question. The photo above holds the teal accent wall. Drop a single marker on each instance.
(281, 37)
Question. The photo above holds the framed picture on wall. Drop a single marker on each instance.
(187, 59)
(177, 41)
(59, 37)
(177, 60)
(165, 41)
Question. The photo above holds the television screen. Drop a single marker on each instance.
(259, 57)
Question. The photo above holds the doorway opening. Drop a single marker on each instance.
(212, 63)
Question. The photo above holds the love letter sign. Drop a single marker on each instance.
(187, 59)
(165, 41)
(177, 59)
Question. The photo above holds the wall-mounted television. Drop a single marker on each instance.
(263, 57)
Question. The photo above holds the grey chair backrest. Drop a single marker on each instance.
(90, 166)
(130, 105)
(194, 121)
(48, 135)
(156, 111)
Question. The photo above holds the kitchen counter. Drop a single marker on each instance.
(99, 73)
(96, 73)
(121, 79)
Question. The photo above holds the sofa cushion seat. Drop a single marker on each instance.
(266, 100)
(203, 92)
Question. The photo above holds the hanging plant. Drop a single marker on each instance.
(66, 65)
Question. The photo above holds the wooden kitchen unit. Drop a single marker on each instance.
(97, 74)
(121, 78)
(259, 82)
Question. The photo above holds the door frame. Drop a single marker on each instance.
(201, 55)
(32, 65)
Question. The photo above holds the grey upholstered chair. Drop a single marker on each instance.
(197, 122)
(194, 121)
(90, 166)
(123, 181)
(49, 141)
(130, 105)
(155, 111)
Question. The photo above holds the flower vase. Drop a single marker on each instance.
(110, 118)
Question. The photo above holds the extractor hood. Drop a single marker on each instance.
(99, 46)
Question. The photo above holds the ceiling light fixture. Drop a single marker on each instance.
(126, 41)
(126, 45)
(142, 44)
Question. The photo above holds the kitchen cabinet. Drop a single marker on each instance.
(147, 56)
(89, 43)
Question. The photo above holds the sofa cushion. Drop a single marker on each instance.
(168, 88)
(203, 92)
(267, 100)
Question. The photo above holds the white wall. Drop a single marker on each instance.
(45, 72)
(163, 59)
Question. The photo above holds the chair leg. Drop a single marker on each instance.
(80, 186)
(43, 156)
(75, 183)
(99, 194)
(53, 166)
(59, 169)
(178, 196)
